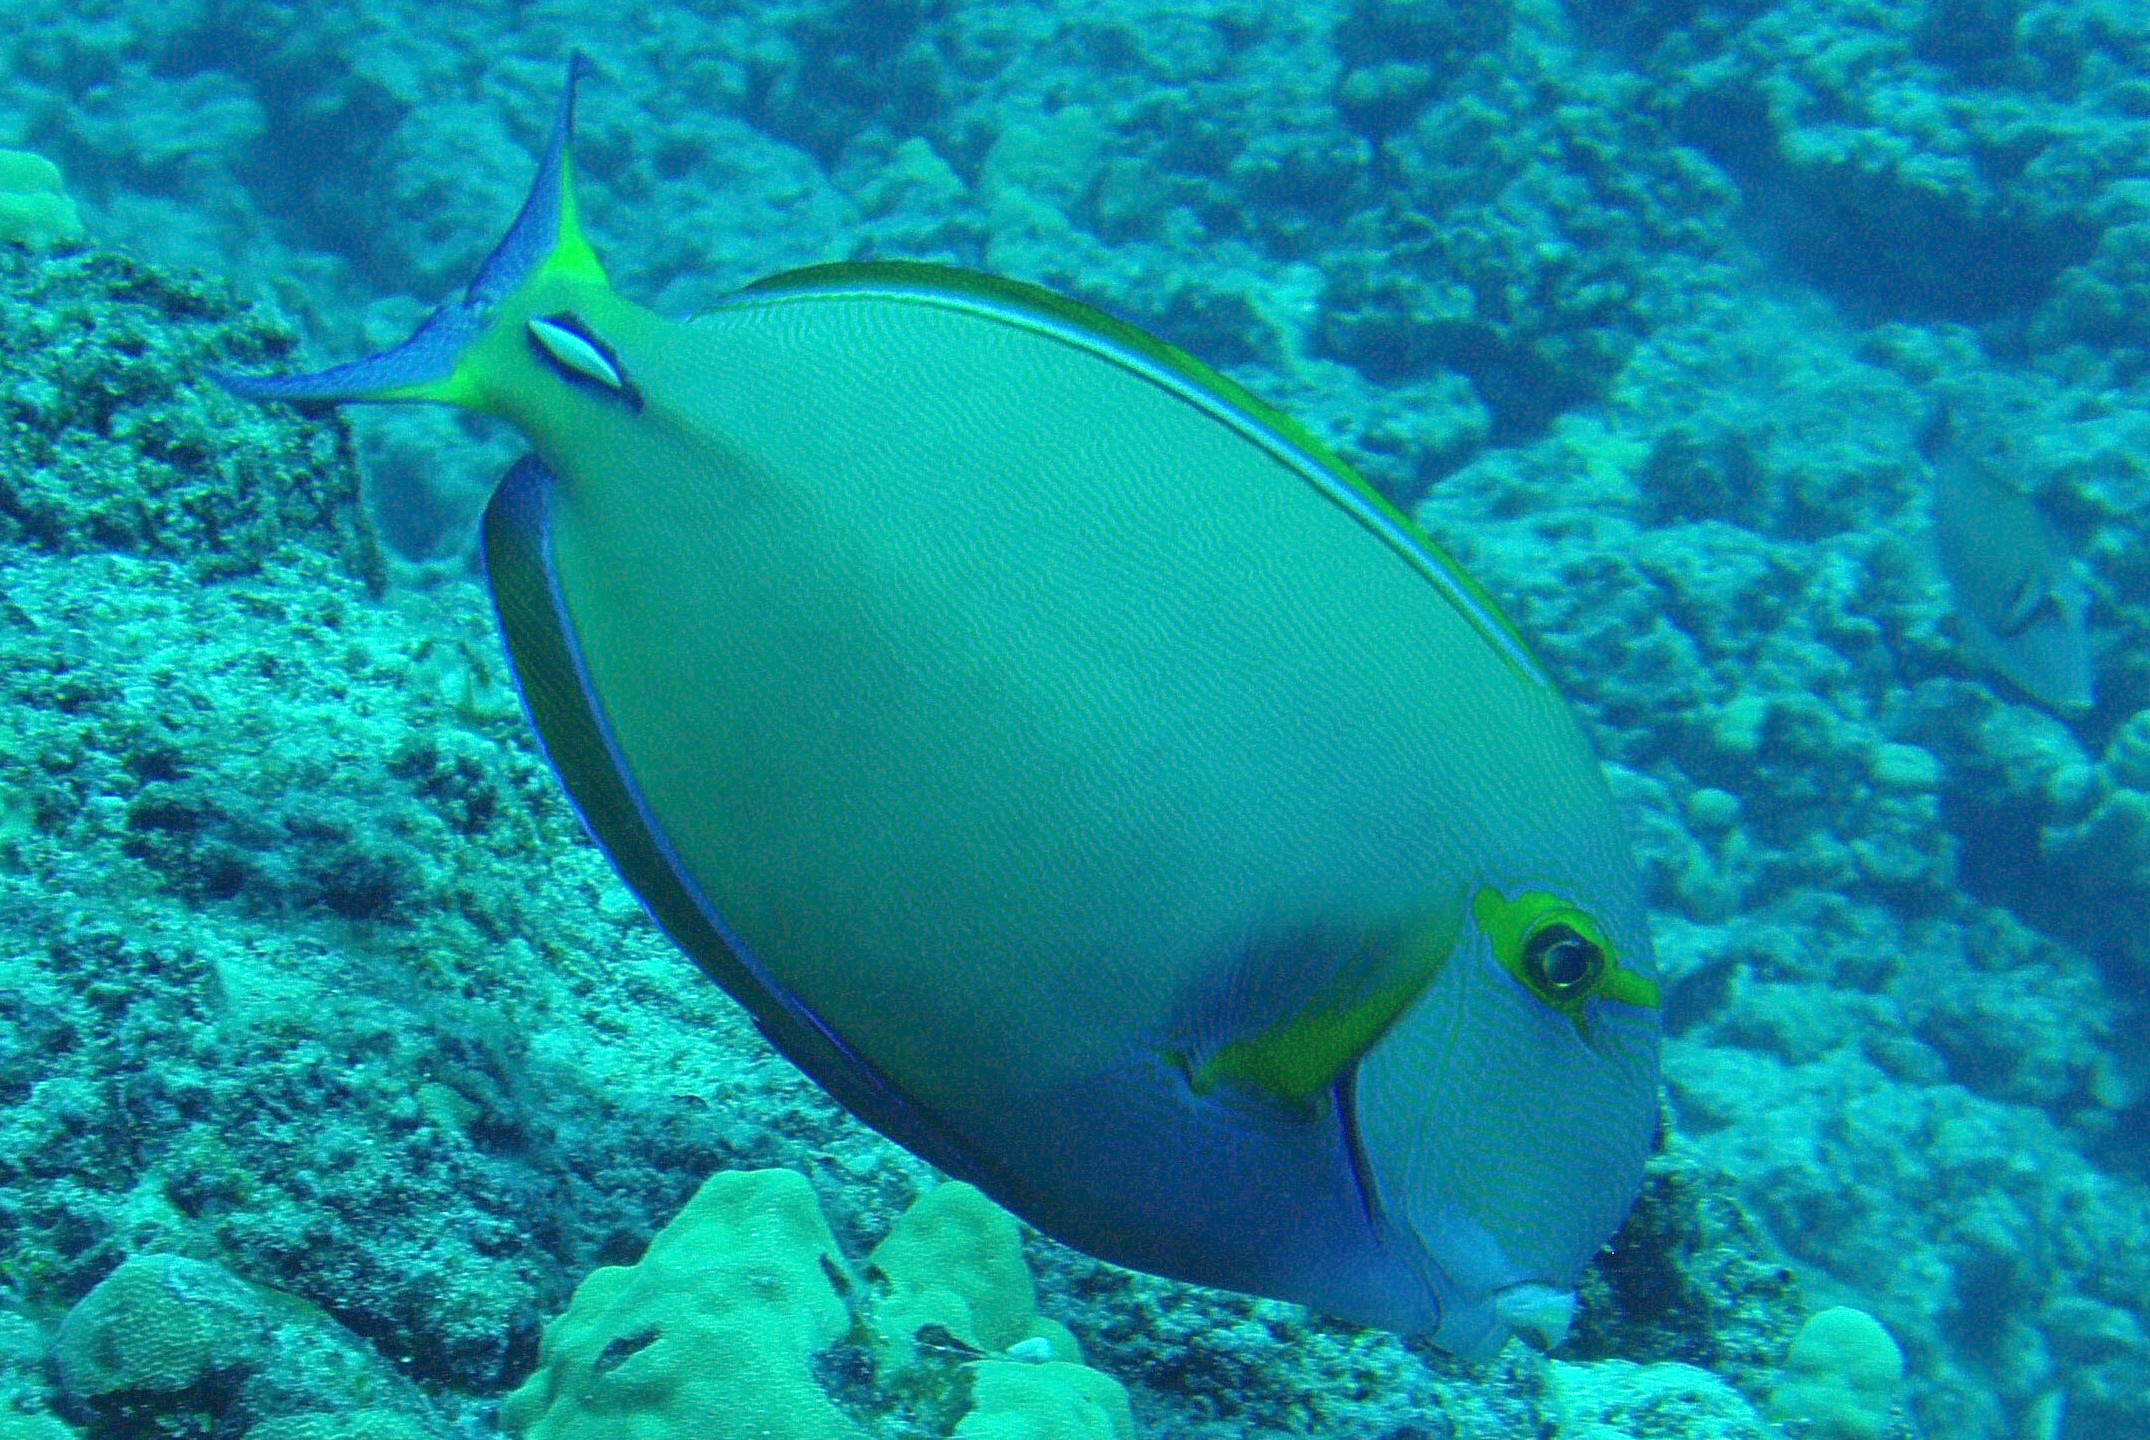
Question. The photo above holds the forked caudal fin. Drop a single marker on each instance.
(545, 240)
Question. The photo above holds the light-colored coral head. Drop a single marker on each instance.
(955, 1260)
(1841, 1378)
(710, 1334)
(34, 206)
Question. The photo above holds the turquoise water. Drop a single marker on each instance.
(325, 1022)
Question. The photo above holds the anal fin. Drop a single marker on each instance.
(556, 695)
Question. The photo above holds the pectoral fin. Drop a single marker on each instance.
(1296, 1014)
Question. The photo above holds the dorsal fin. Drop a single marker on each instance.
(1035, 308)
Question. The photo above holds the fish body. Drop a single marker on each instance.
(2014, 587)
(1074, 767)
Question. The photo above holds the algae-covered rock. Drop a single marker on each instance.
(1689, 1278)
(25, 1383)
(252, 825)
(114, 437)
(1620, 1400)
(710, 1334)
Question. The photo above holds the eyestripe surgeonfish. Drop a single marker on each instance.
(1073, 766)
(2016, 592)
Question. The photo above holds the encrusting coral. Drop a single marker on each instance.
(1053, 1401)
(711, 1334)
(716, 1331)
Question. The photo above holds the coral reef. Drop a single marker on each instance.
(1643, 305)
(325, 1004)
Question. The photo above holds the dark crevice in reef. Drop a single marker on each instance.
(328, 127)
(1876, 242)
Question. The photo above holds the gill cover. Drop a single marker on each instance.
(1508, 1117)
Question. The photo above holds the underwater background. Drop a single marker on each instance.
(334, 1057)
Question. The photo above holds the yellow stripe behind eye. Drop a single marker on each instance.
(1629, 988)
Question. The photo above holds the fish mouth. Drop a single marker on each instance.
(1477, 1325)
(1481, 1297)
(1535, 1312)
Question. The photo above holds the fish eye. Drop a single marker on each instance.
(1561, 962)
(1561, 954)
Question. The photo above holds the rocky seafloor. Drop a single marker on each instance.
(313, 983)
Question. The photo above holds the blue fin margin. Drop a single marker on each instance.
(577, 741)
(429, 357)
